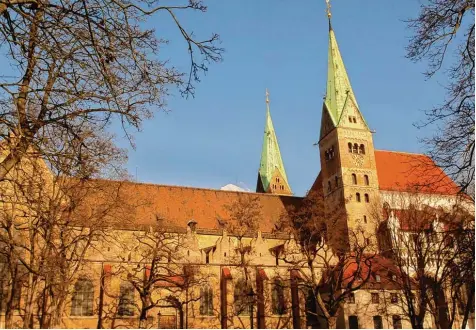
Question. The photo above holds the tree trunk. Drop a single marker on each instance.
(101, 301)
(181, 316)
(469, 305)
(332, 322)
(143, 318)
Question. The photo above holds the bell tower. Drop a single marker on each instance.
(271, 175)
(348, 169)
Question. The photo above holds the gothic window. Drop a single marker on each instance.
(366, 180)
(375, 298)
(83, 295)
(353, 322)
(126, 299)
(367, 241)
(397, 321)
(277, 180)
(357, 197)
(206, 300)
(242, 297)
(362, 149)
(365, 219)
(350, 147)
(367, 198)
(354, 178)
(355, 149)
(277, 298)
(378, 324)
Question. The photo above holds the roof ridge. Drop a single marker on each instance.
(403, 152)
(190, 187)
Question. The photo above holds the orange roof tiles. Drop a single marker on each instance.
(177, 205)
(399, 171)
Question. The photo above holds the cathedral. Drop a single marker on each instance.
(119, 285)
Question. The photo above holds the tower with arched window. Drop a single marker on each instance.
(345, 131)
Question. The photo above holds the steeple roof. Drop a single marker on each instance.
(271, 164)
(339, 90)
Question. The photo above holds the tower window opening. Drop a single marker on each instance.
(354, 120)
(337, 181)
(362, 149)
(357, 197)
(350, 119)
(366, 180)
(350, 147)
(326, 155)
(355, 149)
(354, 178)
(365, 219)
(367, 198)
(329, 188)
(331, 151)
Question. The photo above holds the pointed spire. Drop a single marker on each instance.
(272, 175)
(339, 90)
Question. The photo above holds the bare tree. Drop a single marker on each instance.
(79, 65)
(244, 216)
(429, 247)
(328, 275)
(161, 271)
(444, 28)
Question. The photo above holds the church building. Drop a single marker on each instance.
(241, 279)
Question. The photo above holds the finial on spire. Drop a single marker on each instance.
(328, 9)
(267, 96)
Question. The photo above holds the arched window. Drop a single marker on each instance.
(353, 322)
(366, 180)
(354, 178)
(243, 297)
(357, 197)
(350, 147)
(365, 219)
(277, 298)
(83, 296)
(367, 198)
(126, 299)
(355, 149)
(206, 300)
(362, 149)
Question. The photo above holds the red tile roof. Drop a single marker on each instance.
(177, 205)
(400, 171)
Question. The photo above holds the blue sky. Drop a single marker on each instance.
(215, 138)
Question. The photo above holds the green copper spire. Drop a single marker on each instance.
(271, 165)
(339, 91)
